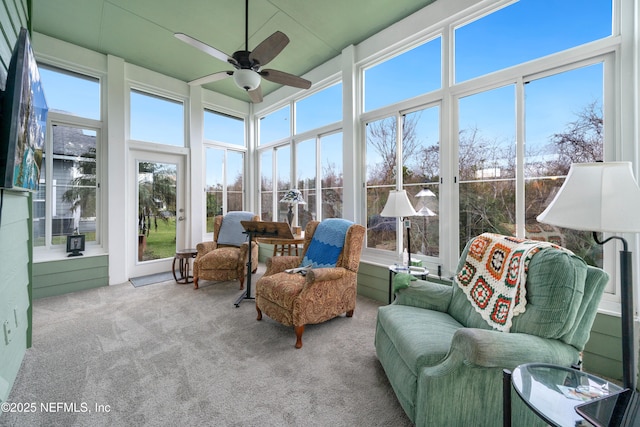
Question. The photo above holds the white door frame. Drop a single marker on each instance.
(135, 267)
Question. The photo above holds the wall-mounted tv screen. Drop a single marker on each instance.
(23, 120)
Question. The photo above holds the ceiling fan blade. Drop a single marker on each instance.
(255, 95)
(269, 48)
(283, 78)
(211, 78)
(205, 48)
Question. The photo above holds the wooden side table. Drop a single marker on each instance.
(284, 246)
(182, 257)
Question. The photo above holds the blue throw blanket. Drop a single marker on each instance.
(327, 243)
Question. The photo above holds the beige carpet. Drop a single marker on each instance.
(165, 354)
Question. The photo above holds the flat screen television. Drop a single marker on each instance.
(23, 120)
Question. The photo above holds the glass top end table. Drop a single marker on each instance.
(553, 392)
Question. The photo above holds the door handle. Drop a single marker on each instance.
(180, 218)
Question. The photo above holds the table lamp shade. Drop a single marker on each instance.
(398, 205)
(293, 196)
(596, 197)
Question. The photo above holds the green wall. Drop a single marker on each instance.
(15, 233)
(69, 275)
(15, 313)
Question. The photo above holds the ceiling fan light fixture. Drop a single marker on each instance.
(246, 79)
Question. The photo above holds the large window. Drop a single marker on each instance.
(275, 172)
(571, 131)
(527, 30)
(71, 93)
(321, 108)
(515, 115)
(68, 197)
(315, 149)
(410, 74)
(224, 183)
(418, 157)
(223, 128)
(224, 164)
(156, 119)
(326, 176)
(486, 161)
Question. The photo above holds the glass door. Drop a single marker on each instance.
(159, 211)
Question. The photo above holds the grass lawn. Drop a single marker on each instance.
(161, 243)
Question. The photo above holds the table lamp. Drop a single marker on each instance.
(398, 205)
(293, 197)
(604, 197)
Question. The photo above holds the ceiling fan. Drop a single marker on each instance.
(248, 64)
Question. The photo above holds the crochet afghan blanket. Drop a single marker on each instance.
(494, 275)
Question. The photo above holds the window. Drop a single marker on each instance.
(521, 117)
(224, 183)
(71, 93)
(320, 109)
(223, 128)
(224, 166)
(266, 185)
(409, 74)
(275, 126)
(156, 119)
(326, 176)
(275, 167)
(332, 181)
(564, 124)
(419, 162)
(527, 30)
(68, 197)
(486, 159)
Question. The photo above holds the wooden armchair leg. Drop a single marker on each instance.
(195, 283)
(350, 313)
(259, 313)
(241, 279)
(299, 331)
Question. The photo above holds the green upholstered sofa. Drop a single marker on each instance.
(445, 362)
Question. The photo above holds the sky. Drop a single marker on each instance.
(526, 30)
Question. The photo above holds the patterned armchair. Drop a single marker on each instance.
(225, 258)
(327, 290)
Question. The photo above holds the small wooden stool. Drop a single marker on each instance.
(183, 256)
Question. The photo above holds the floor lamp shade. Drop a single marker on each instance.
(604, 197)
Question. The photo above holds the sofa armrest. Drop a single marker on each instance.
(495, 349)
(324, 274)
(278, 264)
(425, 294)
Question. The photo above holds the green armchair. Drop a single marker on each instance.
(445, 362)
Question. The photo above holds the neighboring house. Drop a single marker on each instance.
(73, 150)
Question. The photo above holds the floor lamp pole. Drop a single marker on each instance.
(626, 303)
(407, 225)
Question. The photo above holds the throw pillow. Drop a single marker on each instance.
(327, 243)
(231, 230)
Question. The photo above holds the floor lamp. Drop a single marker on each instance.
(399, 206)
(604, 197)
